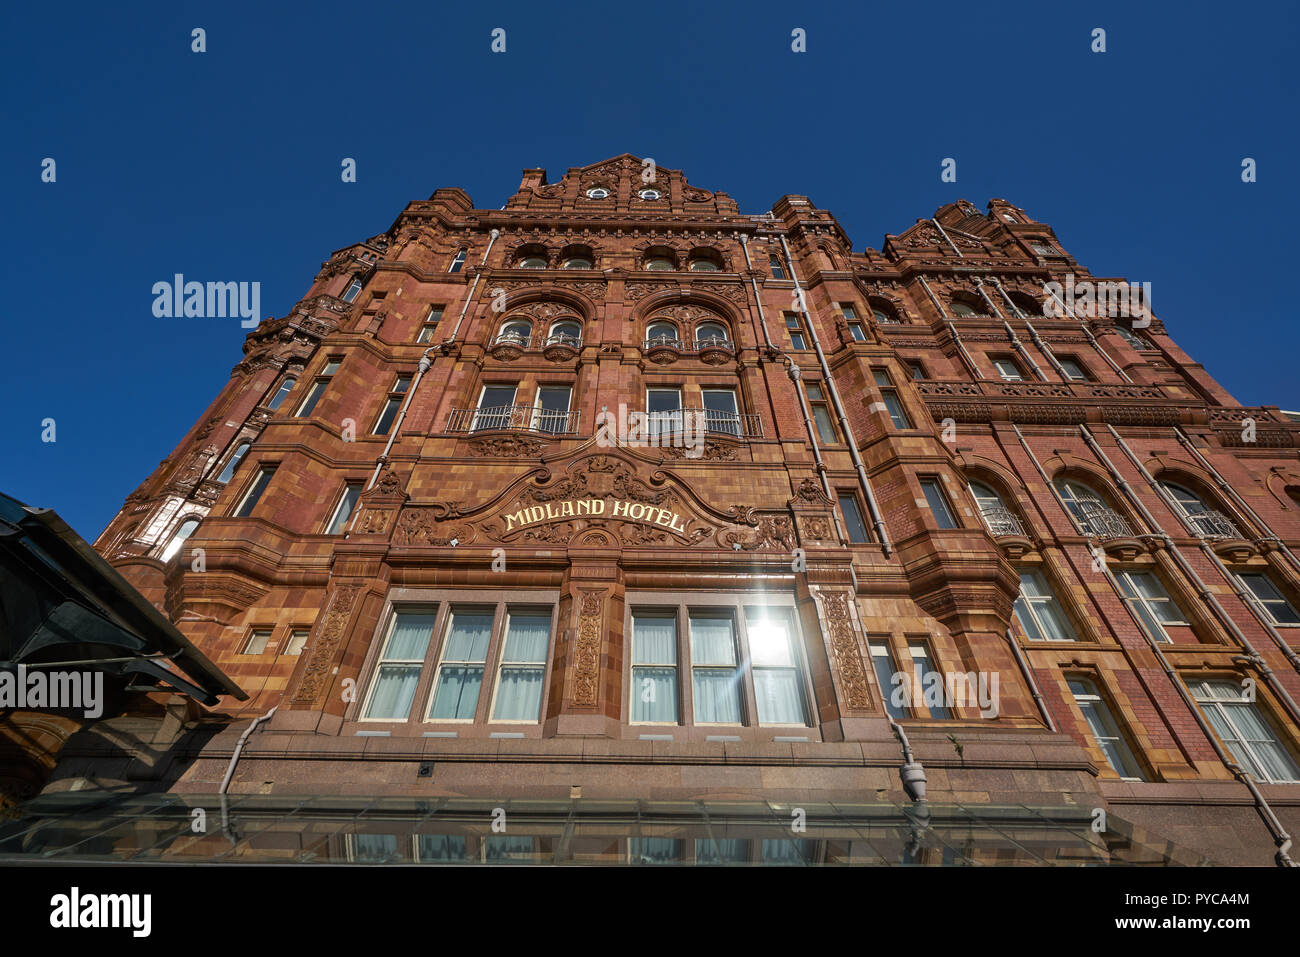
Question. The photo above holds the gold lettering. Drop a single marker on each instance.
(513, 518)
(664, 514)
(620, 508)
(636, 511)
(598, 507)
(548, 511)
(584, 507)
(566, 508)
(675, 527)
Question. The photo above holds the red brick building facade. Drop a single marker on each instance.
(419, 529)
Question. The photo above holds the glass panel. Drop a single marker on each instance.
(456, 696)
(825, 431)
(410, 637)
(654, 640)
(938, 504)
(434, 848)
(769, 639)
(393, 692)
(713, 641)
(387, 417)
(528, 638)
(776, 693)
(373, 848)
(468, 640)
(519, 694)
(344, 510)
(654, 694)
(853, 518)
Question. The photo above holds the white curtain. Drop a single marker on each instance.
(519, 695)
(654, 689)
(394, 691)
(776, 692)
(457, 693)
(717, 696)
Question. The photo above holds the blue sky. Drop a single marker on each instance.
(225, 165)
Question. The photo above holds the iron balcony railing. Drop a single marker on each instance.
(1212, 524)
(1097, 519)
(688, 345)
(538, 341)
(712, 421)
(1000, 520)
(516, 418)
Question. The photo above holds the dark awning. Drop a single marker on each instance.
(60, 601)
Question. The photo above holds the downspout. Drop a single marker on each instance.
(1281, 838)
(239, 748)
(1029, 678)
(793, 371)
(952, 331)
(492, 238)
(945, 237)
(1066, 310)
(881, 533)
(1232, 493)
(1043, 347)
(1207, 596)
(1011, 333)
(749, 266)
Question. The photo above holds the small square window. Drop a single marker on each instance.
(257, 641)
(297, 641)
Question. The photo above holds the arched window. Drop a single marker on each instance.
(1205, 521)
(659, 263)
(650, 194)
(962, 308)
(578, 262)
(532, 262)
(566, 332)
(661, 333)
(281, 393)
(516, 331)
(1026, 304)
(999, 519)
(598, 192)
(354, 287)
(229, 471)
(1090, 511)
(703, 265)
(705, 259)
(1133, 339)
(457, 262)
(185, 531)
(883, 313)
(709, 333)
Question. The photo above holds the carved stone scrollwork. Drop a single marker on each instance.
(325, 642)
(586, 652)
(842, 637)
(506, 447)
(773, 532)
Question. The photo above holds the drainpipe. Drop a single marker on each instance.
(1280, 837)
(952, 331)
(1241, 502)
(239, 748)
(1011, 333)
(1029, 678)
(749, 266)
(793, 371)
(881, 533)
(912, 773)
(1043, 347)
(1206, 595)
(1088, 335)
(945, 238)
(492, 238)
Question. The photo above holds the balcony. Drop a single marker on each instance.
(1001, 521)
(514, 418)
(1099, 520)
(713, 350)
(712, 421)
(1212, 524)
(557, 346)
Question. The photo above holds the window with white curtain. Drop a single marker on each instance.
(778, 686)
(523, 667)
(456, 657)
(1104, 729)
(398, 671)
(1243, 730)
(715, 663)
(1039, 611)
(1151, 603)
(460, 669)
(715, 674)
(654, 669)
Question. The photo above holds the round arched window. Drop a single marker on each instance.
(578, 262)
(660, 262)
(661, 333)
(703, 265)
(708, 332)
(185, 531)
(650, 194)
(566, 331)
(532, 262)
(882, 316)
(515, 331)
(963, 309)
(598, 192)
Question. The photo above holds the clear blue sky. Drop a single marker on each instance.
(225, 165)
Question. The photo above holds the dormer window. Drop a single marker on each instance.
(598, 192)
